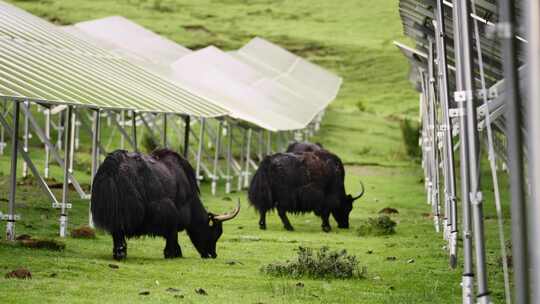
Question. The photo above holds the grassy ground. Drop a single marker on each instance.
(352, 38)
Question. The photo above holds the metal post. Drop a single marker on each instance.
(200, 149)
(229, 158)
(72, 140)
(515, 150)
(164, 139)
(468, 274)
(186, 136)
(10, 228)
(47, 113)
(269, 143)
(123, 123)
(60, 130)
(242, 153)
(65, 188)
(248, 159)
(532, 11)
(450, 188)
(2, 130)
(433, 139)
(25, 139)
(134, 130)
(96, 130)
(215, 173)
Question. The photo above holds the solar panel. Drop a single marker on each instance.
(40, 62)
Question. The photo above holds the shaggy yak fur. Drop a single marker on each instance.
(301, 147)
(300, 183)
(135, 194)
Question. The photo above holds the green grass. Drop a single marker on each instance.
(352, 38)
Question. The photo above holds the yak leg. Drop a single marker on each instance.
(325, 222)
(262, 220)
(119, 246)
(285, 220)
(172, 248)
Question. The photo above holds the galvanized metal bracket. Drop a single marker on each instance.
(7, 217)
(456, 112)
(504, 30)
(463, 96)
(59, 205)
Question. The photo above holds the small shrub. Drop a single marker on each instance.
(382, 225)
(321, 264)
(360, 106)
(411, 134)
(149, 143)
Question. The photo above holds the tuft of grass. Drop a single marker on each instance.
(382, 225)
(410, 132)
(361, 106)
(320, 264)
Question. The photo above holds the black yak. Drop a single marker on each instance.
(300, 183)
(135, 194)
(301, 147)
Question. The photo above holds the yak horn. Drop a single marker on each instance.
(228, 216)
(359, 195)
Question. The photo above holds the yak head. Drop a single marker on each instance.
(341, 213)
(206, 238)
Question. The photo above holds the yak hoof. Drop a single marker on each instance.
(262, 226)
(172, 254)
(326, 228)
(289, 228)
(120, 253)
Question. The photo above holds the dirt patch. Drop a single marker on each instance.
(375, 170)
(20, 273)
(83, 232)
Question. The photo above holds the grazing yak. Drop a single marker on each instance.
(301, 147)
(300, 183)
(135, 194)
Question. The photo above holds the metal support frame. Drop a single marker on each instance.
(217, 148)
(65, 188)
(448, 153)
(11, 217)
(468, 273)
(532, 11)
(515, 150)
(2, 130)
(164, 135)
(228, 178)
(133, 130)
(131, 139)
(247, 159)
(187, 126)
(52, 150)
(432, 129)
(200, 148)
(96, 132)
(47, 113)
(26, 137)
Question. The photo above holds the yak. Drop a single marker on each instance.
(301, 147)
(134, 194)
(301, 183)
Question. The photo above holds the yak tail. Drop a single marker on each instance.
(116, 204)
(260, 191)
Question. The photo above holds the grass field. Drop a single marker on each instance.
(352, 38)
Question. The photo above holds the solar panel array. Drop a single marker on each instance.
(261, 83)
(42, 63)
